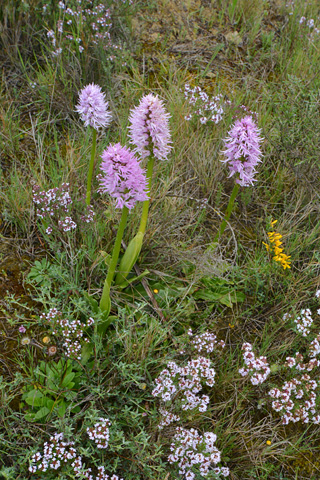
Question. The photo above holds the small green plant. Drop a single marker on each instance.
(53, 389)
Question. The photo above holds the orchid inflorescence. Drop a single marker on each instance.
(149, 128)
(93, 107)
(122, 177)
(242, 150)
(60, 453)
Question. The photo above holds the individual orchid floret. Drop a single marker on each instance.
(149, 128)
(122, 178)
(93, 107)
(243, 150)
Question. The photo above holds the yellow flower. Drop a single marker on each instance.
(268, 442)
(156, 290)
(267, 246)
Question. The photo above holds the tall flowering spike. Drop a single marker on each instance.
(243, 150)
(149, 129)
(93, 107)
(123, 177)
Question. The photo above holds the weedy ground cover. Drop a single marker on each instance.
(203, 360)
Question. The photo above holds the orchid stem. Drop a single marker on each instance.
(91, 166)
(105, 297)
(228, 213)
(145, 207)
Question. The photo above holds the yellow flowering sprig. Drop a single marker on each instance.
(276, 247)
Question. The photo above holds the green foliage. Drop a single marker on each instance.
(256, 54)
(53, 390)
(218, 291)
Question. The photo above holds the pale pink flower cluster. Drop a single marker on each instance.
(205, 342)
(122, 176)
(186, 382)
(167, 418)
(99, 433)
(242, 150)
(93, 107)
(195, 453)
(257, 368)
(54, 204)
(59, 453)
(209, 109)
(149, 128)
(72, 331)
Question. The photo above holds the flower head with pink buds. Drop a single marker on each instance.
(122, 178)
(243, 150)
(93, 107)
(149, 129)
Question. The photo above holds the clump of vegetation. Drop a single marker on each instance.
(151, 325)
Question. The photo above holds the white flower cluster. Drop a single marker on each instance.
(95, 20)
(167, 418)
(54, 454)
(99, 433)
(205, 342)
(89, 216)
(52, 200)
(296, 400)
(56, 202)
(258, 368)
(314, 347)
(304, 321)
(310, 24)
(72, 331)
(58, 453)
(191, 451)
(209, 109)
(186, 381)
(67, 224)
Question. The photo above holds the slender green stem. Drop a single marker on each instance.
(145, 207)
(105, 298)
(91, 165)
(228, 212)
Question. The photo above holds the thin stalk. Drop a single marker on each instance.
(91, 165)
(228, 212)
(105, 297)
(145, 207)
